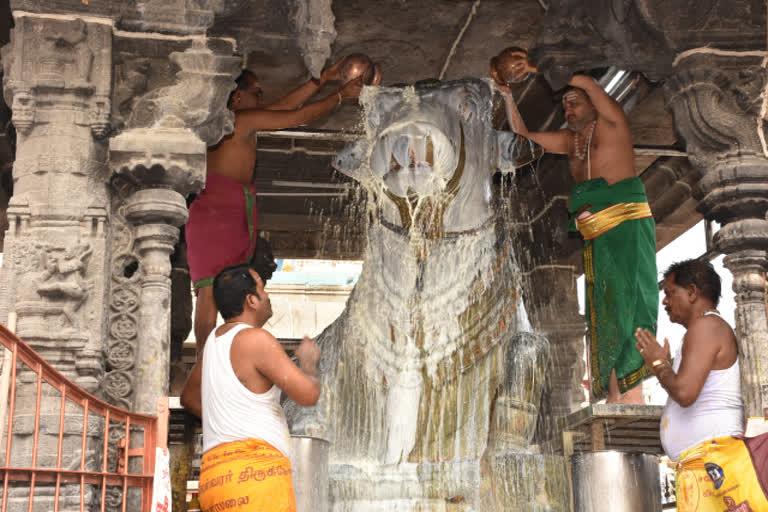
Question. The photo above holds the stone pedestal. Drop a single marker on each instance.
(716, 100)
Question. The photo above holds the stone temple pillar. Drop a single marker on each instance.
(716, 100)
(112, 130)
(156, 213)
(157, 162)
(57, 77)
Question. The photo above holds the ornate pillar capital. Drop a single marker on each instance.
(171, 158)
(715, 97)
(156, 213)
(156, 206)
(197, 100)
(169, 129)
(53, 62)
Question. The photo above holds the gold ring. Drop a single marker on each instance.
(640, 350)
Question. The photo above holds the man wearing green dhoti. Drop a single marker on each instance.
(610, 210)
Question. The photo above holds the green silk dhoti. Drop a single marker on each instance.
(622, 291)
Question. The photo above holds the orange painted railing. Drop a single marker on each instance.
(152, 430)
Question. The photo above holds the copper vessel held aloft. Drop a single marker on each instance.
(360, 65)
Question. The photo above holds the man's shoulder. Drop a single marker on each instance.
(710, 327)
(254, 339)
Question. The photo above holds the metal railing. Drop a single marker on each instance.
(115, 433)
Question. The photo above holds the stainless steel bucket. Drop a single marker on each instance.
(616, 482)
(309, 466)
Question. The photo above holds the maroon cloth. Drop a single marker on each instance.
(218, 230)
(758, 450)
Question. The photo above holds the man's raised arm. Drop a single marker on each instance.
(302, 93)
(262, 119)
(269, 358)
(552, 142)
(608, 108)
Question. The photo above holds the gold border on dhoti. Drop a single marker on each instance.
(599, 222)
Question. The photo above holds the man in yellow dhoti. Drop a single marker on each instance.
(246, 443)
(717, 470)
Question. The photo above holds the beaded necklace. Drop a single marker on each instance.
(580, 151)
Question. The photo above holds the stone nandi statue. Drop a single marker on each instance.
(428, 375)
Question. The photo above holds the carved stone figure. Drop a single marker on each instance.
(23, 111)
(429, 374)
(63, 278)
(65, 55)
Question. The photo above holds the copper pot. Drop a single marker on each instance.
(503, 66)
(359, 65)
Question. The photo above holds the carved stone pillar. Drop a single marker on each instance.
(57, 76)
(716, 98)
(156, 213)
(159, 159)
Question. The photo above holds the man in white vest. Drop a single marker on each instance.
(246, 443)
(704, 410)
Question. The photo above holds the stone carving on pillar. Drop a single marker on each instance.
(123, 315)
(643, 35)
(57, 77)
(131, 82)
(716, 99)
(174, 16)
(23, 112)
(196, 101)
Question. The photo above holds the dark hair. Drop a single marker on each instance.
(231, 286)
(242, 82)
(699, 273)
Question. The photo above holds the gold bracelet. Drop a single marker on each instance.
(661, 372)
(658, 362)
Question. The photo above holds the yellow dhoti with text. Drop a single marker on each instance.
(719, 475)
(248, 475)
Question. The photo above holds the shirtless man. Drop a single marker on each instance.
(221, 230)
(609, 208)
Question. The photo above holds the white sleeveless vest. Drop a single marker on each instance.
(232, 412)
(718, 411)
